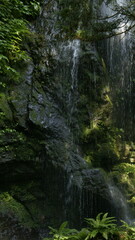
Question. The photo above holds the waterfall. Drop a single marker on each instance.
(119, 62)
(69, 53)
(75, 59)
(74, 75)
(66, 54)
(81, 194)
(119, 59)
(68, 196)
(120, 203)
(119, 48)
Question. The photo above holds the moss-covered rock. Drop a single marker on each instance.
(124, 177)
(10, 207)
(5, 108)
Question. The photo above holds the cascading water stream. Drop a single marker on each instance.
(119, 60)
(70, 51)
(67, 56)
(75, 60)
(74, 74)
(120, 203)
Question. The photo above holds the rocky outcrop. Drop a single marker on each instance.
(42, 165)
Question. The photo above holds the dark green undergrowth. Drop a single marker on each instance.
(15, 18)
(103, 227)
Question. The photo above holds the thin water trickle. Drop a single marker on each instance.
(75, 60)
(70, 53)
(69, 189)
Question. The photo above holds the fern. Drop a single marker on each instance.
(128, 231)
(104, 226)
(80, 235)
(63, 232)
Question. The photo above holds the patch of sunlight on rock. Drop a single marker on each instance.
(88, 159)
(132, 200)
(87, 131)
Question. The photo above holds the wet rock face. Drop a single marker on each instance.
(11, 230)
(77, 193)
(49, 156)
(46, 158)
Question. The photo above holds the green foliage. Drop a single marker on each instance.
(5, 110)
(127, 232)
(23, 192)
(104, 226)
(81, 19)
(101, 144)
(125, 168)
(13, 32)
(9, 206)
(124, 174)
(11, 135)
(19, 9)
(82, 234)
(100, 139)
(100, 227)
(63, 232)
(70, 15)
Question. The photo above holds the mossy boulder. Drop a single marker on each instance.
(11, 207)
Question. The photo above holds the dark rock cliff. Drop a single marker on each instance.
(44, 178)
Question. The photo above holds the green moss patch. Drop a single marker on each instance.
(11, 207)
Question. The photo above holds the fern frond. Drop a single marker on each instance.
(94, 233)
(63, 226)
(90, 221)
(98, 218)
(53, 230)
(105, 235)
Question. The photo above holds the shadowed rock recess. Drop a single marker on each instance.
(60, 133)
